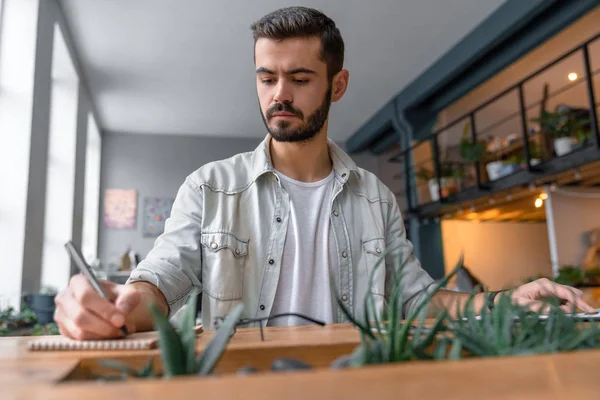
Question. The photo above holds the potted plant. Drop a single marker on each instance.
(570, 275)
(471, 150)
(428, 176)
(42, 304)
(12, 323)
(508, 329)
(450, 180)
(178, 347)
(564, 125)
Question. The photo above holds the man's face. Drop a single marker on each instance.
(293, 90)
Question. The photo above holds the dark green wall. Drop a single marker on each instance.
(430, 248)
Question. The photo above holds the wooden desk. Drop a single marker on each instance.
(34, 375)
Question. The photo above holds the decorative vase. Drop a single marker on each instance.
(563, 145)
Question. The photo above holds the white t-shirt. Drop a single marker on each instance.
(309, 254)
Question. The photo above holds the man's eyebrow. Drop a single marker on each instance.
(263, 70)
(301, 71)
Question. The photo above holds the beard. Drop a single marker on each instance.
(308, 128)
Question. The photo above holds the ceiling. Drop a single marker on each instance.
(186, 66)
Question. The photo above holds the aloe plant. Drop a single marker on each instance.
(511, 329)
(395, 339)
(508, 329)
(178, 348)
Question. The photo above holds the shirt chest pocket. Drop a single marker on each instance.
(373, 250)
(223, 258)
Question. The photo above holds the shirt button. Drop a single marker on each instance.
(278, 219)
(378, 250)
(345, 297)
(262, 307)
(336, 213)
(271, 261)
(213, 245)
(344, 254)
(237, 251)
(343, 175)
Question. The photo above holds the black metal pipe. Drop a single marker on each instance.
(524, 128)
(407, 184)
(474, 140)
(590, 89)
(438, 165)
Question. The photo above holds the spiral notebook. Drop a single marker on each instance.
(135, 341)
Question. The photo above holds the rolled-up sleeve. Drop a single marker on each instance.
(176, 257)
(415, 282)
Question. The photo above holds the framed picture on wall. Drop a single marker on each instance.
(120, 208)
(156, 211)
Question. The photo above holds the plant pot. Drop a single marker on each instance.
(449, 187)
(43, 307)
(434, 193)
(508, 169)
(493, 170)
(563, 145)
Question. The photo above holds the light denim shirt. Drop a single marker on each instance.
(226, 236)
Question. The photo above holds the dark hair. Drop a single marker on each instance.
(293, 22)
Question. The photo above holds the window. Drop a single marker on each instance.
(17, 58)
(91, 198)
(60, 184)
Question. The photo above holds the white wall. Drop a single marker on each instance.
(574, 215)
(501, 255)
(153, 165)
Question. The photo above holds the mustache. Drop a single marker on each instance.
(283, 107)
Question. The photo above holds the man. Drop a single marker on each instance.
(275, 228)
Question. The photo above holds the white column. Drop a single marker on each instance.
(60, 179)
(551, 233)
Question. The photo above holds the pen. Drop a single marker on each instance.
(87, 272)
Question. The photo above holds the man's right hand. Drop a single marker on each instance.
(82, 314)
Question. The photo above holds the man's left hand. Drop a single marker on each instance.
(531, 294)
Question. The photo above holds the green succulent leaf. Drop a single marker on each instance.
(206, 362)
(456, 350)
(187, 332)
(171, 349)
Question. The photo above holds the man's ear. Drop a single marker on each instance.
(339, 85)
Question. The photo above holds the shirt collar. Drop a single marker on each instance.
(342, 163)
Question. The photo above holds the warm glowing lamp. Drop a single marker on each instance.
(539, 202)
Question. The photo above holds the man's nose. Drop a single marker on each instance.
(283, 94)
